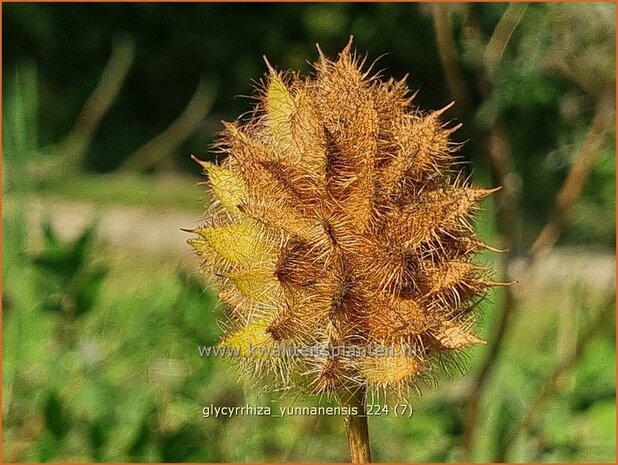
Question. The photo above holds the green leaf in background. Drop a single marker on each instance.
(88, 291)
(189, 308)
(50, 238)
(54, 304)
(506, 420)
(56, 418)
(98, 433)
(47, 448)
(64, 259)
(136, 450)
(178, 446)
(61, 262)
(82, 244)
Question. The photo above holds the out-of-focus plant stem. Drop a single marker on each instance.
(157, 149)
(502, 35)
(101, 99)
(507, 218)
(497, 149)
(448, 56)
(72, 149)
(19, 142)
(577, 176)
(357, 430)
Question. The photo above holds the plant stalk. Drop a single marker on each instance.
(356, 429)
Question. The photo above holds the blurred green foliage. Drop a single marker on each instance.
(72, 288)
(100, 359)
(131, 387)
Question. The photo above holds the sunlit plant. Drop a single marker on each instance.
(340, 219)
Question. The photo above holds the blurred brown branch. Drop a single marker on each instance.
(499, 158)
(577, 176)
(568, 194)
(73, 147)
(497, 150)
(502, 34)
(448, 56)
(158, 148)
(101, 99)
(498, 153)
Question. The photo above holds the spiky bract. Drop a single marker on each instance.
(339, 219)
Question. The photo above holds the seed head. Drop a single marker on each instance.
(340, 222)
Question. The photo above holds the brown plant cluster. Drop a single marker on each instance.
(340, 220)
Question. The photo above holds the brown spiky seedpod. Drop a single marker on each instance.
(341, 223)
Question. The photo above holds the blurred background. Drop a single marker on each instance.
(103, 307)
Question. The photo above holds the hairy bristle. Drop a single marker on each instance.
(339, 218)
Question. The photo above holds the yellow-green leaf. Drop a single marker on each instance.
(258, 284)
(203, 249)
(229, 187)
(252, 340)
(242, 244)
(279, 108)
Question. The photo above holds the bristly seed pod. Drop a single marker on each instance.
(339, 219)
